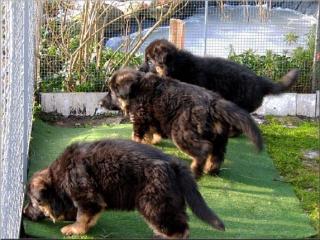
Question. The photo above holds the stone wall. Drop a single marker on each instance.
(87, 104)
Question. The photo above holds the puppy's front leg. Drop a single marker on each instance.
(140, 127)
(138, 133)
(84, 221)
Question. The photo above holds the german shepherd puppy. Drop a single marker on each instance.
(111, 102)
(232, 81)
(89, 178)
(197, 120)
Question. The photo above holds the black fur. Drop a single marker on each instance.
(231, 80)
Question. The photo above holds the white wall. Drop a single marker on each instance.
(87, 104)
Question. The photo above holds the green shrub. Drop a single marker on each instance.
(91, 78)
(274, 65)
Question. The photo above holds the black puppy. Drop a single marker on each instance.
(89, 178)
(231, 80)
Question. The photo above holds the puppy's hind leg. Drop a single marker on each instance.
(195, 146)
(162, 204)
(151, 137)
(165, 221)
(215, 159)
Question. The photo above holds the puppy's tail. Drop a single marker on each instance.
(286, 82)
(193, 197)
(229, 112)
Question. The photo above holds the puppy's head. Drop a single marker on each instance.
(124, 82)
(110, 101)
(43, 199)
(159, 57)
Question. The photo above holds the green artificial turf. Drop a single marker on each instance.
(247, 195)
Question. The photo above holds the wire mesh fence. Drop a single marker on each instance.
(83, 42)
(16, 94)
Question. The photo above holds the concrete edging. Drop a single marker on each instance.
(87, 104)
(71, 104)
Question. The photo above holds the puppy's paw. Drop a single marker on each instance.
(196, 170)
(156, 139)
(212, 172)
(212, 167)
(197, 174)
(136, 138)
(74, 229)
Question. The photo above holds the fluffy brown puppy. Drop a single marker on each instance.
(232, 81)
(117, 174)
(197, 120)
(111, 102)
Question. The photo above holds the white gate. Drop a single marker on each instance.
(16, 95)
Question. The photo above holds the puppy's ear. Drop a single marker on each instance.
(45, 194)
(127, 84)
(40, 186)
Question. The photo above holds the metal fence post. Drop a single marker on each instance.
(205, 27)
(25, 89)
(316, 59)
(16, 72)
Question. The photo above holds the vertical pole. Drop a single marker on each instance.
(37, 29)
(176, 32)
(16, 72)
(316, 59)
(205, 28)
(26, 80)
(180, 34)
(173, 30)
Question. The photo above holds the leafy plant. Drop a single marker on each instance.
(92, 78)
(291, 38)
(274, 65)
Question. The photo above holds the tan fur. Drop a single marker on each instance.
(40, 179)
(157, 232)
(156, 138)
(81, 226)
(46, 209)
(160, 71)
(124, 105)
(151, 137)
(135, 138)
(217, 127)
(195, 168)
(94, 220)
(211, 164)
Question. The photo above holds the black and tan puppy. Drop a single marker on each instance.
(111, 102)
(232, 81)
(197, 120)
(117, 174)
